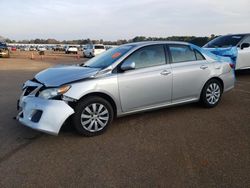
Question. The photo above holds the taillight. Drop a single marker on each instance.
(232, 65)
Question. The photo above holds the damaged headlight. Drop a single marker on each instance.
(53, 92)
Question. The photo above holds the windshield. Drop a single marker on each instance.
(224, 41)
(107, 58)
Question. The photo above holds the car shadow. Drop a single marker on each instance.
(68, 127)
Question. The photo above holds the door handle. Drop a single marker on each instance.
(203, 67)
(165, 72)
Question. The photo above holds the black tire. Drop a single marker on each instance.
(211, 99)
(80, 110)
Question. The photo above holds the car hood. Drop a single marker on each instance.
(57, 76)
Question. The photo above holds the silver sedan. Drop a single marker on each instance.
(124, 80)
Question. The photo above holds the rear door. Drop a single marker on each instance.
(190, 71)
(150, 83)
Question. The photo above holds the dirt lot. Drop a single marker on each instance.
(185, 146)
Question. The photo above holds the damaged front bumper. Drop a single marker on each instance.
(42, 114)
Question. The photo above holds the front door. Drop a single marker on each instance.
(150, 83)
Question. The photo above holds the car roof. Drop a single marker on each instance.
(144, 43)
(242, 34)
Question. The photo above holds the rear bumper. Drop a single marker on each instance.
(44, 115)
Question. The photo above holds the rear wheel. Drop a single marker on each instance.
(211, 93)
(92, 116)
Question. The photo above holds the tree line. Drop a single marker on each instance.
(200, 41)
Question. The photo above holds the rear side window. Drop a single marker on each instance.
(99, 47)
(181, 53)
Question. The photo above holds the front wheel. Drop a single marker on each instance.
(211, 93)
(92, 116)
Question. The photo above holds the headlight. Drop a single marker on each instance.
(53, 92)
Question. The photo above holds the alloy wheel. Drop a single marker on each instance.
(213, 93)
(94, 117)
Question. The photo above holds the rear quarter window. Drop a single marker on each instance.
(198, 55)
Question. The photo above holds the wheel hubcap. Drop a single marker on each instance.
(94, 117)
(213, 93)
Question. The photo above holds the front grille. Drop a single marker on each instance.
(29, 89)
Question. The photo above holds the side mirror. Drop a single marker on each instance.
(244, 45)
(128, 66)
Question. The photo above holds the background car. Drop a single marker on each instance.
(59, 48)
(24, 48)
(93, 50)
(41, 49)
(33, 48)
(13, 48)
(71, 49)
(4, 51)
(241, 41)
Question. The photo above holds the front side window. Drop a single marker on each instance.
(148, 56)
(181, 53)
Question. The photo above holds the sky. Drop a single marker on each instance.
(114, 19)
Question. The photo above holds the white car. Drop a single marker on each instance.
(93, 50)
(71, 49)
(241, 41)
(41, 49)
